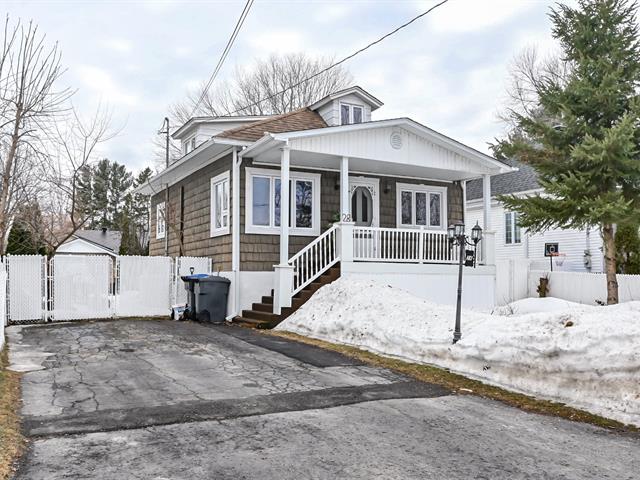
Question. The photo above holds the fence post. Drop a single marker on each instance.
(283, 287)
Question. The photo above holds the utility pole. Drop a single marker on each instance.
(165, 130)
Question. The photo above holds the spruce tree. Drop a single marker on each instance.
(583, 139)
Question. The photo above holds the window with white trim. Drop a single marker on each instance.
(512, 232)
(161, 223)
(262, 208)
(189, 145)
(350, 114)
(220, 204)
(421, 206)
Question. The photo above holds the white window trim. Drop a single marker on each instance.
(411, 187)
(161, 209)
(314, 231)
(186, 146)
(351, 106)
(216, 232)
(513, 230)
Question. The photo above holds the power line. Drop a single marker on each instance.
(340, 62)
(227, 49)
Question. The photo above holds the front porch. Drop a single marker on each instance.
(362, 154)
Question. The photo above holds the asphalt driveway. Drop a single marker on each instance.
(166, 400)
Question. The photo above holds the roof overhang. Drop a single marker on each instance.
(203, 155)
(423, 152)
(358, 91)
(69, 247)
(195, 121)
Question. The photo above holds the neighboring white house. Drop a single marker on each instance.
(581, 249)
(92, 242)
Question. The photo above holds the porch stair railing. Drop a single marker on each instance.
(315, 259)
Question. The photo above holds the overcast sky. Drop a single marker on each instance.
(448, 70)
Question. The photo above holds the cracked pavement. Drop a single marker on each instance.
(166, 400)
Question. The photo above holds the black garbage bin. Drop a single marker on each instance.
(207, 297)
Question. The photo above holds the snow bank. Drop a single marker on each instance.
(585, 356)
(537, 305)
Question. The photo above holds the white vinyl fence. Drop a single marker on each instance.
(3, 304)
(78, 287)
(516, 280)
(587, 288)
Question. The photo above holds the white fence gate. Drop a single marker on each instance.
(144, 286)
(27, 291)
(80, 287)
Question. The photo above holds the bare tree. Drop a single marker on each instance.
(74, 146)
(267, 87)
(29, 102)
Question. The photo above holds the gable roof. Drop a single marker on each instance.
(303, 119)
(193, 121)
(355, 90)
(109, 240)
(522, 180)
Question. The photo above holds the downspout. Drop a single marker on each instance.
(166, 221)
(236, 160)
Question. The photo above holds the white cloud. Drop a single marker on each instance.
(457, 16)
(277, 41)
(101, 82)
(119, 45)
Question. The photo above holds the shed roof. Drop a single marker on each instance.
(109, 239)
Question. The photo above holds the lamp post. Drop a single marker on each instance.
(458, 238)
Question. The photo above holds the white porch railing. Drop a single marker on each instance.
(315, 259)
(373, 244)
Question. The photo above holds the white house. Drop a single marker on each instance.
(286, 203)
(581, 250)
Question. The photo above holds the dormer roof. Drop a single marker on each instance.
(355, 90)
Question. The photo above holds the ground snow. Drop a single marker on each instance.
(537, 305)
(585, 356)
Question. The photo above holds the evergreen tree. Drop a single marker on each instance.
(21, 241)
(585, 146)
(628, 249)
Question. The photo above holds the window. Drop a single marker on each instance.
(350, 114)
(421, 206)
(263, 202)
(220, 205)
(512, 233)
(161, 224)
(189, 145)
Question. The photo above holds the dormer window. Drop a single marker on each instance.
(350, 113)
(189, 145)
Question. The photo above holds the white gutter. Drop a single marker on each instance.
(235, 230)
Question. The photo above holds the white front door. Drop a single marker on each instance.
(365, 212)
(365, 201)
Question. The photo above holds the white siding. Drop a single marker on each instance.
(571, 242)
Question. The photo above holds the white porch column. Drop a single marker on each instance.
(486, 200)
(345, 214)
(284, 272)
(488, 235)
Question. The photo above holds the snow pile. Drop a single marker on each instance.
(585, 356)
(537, 305)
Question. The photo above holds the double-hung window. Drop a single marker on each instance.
(263, 202)
(421, 206)
(350, 113)
(161, 221)
(220, 204)
(512, 233)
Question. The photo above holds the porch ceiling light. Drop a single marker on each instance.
(476, 233)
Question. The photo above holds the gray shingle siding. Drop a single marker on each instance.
(513, 182)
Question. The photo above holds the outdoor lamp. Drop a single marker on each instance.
(476, 233)
(450, 232)
(458, 229)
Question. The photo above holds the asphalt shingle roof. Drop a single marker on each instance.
(303, 119)
(513, 182)
(110, 239)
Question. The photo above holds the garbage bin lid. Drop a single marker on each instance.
(194, 278)
(214, 279)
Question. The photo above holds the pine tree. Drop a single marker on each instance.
(583, 139)
(21, 241)
(628, 249)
